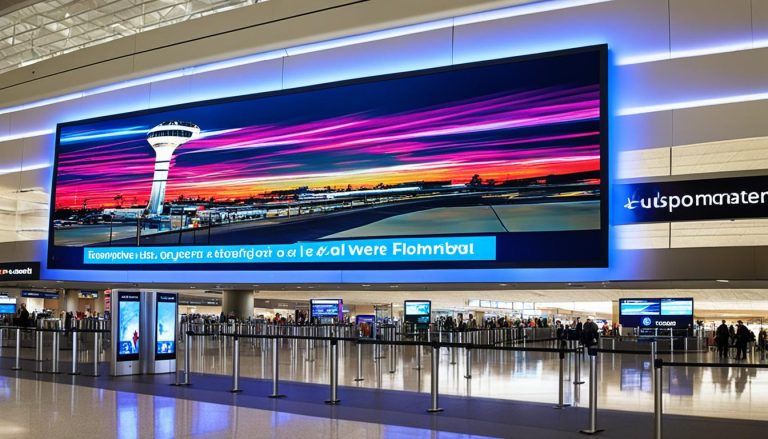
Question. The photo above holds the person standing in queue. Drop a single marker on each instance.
(742, 338)
(589, 334)
(721, 340)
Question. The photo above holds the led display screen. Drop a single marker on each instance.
(325, 308)
(418, 311)
(485, 165)
(366, 326)
(7, 308)
(165, 329)
(630, 307)
(656, 313)
(129, 322)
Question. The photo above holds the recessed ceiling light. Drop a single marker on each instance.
(725, 281)
(366, 285)
(192, 288)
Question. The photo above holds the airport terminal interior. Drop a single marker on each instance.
(383, 218)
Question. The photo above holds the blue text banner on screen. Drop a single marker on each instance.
(475, 248)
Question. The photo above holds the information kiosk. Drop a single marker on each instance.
(126, 334)
(161, 317)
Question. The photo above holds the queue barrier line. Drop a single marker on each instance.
(386, 342)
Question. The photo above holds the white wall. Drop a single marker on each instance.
(666, 57)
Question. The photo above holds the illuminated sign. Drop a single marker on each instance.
(165, 328)
(19, 271)
(691, 200)
(495, 164)
(418, 311)
(654, 313)
(129, 324)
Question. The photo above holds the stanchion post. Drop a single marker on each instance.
(17, 365)
(96, 336)
(236, 364)
(577, 366)
(187, 357)
(561, 385)
(468, 374)
(334, 359)
(74, 352)
(418, 358)
(39, 351)
(592, 394)
(359, 362)
(55, 352)
(275, 371)
(453, 350)
(653, 360)
(657, 398)
(435, 379)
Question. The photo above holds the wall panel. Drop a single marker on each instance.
(702, 23)
(725, 156)
(646, 31)
(410, 52)
(235, 81)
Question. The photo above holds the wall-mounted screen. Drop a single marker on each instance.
(129, 324)
(88, 294)
(656, 313)
(486, 165)
(326, 308)
(165, 329)
(8, 308)
(418, 311)
(40, 294)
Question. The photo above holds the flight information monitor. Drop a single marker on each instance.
(326, 308)
(165, 329)
(129, 324)
(7, 306)
(495, 164)
(656, 313)
(418, 311)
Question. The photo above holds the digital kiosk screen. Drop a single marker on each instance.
(325, 308)
(656, 313)
(165, 331)
(129, 322)
(453, 167)
(418, 311)
(366, 326)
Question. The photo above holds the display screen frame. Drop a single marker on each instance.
(64, 257)
(134, 299)
(162, 300)
(419, 318)
(656, 319)
(338, 303)
(366, 319)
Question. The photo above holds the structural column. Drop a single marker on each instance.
(68, 301)
(98, 304)
(239, 302)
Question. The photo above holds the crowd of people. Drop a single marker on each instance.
(738, 337)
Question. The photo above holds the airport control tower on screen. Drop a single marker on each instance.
(165, 138)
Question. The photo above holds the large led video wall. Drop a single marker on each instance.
(487, 165)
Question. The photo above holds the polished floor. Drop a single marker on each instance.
(499, 378)
(40, 409)
(624, 380)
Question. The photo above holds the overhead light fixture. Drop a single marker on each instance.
(725, 281)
